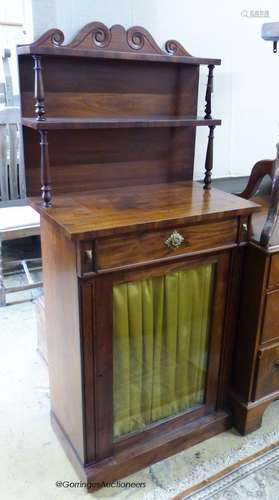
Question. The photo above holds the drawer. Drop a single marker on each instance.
(113, 252)
(273, 279)
(267, 376)
(270, 328)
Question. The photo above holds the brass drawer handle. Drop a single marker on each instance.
(88, 255)
(175, 240)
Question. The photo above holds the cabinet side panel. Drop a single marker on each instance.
(253, 283)
(63, 332)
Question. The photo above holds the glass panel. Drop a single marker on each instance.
(161, 328)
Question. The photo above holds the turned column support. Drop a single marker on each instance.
(39, 94)
(209, 158)
(209, 90)
(45, 170)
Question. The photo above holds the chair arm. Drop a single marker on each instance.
(272, 213)
(260, 169)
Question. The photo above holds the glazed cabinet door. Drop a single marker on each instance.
(157, 347)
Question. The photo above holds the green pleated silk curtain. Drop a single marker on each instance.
(160, 344)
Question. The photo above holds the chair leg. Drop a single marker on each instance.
(2, 287)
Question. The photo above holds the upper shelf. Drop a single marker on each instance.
(124, 56)
(96, 40)
(117, 122)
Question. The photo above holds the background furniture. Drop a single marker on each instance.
(140, 263)
(12, 179)
(256, 368)
(15, 223)
(255, 381)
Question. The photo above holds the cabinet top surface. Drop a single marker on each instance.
(127, 209)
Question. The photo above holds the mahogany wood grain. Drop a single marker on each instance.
(218, 332)
(247, 416)
(272, 212)
(186, 262)
(118, 252)
(129, 209)
(97, 40)
(80, 93)
(87, 330)
(130, 460)
(258, 221)
(75, 88)
(177, 439)
(209, 90)
(45, 170)
(267, 377)
(273, 279)
(119, 56)
(233, 301)
(103, 354)
(63, 337)
(39, 89)
(121, 124)
(118, 122)
(255, 273)
(270, 327)
(104, 344)
(259, 171)
(81, 160)
(268, 237)
(255, 381)
(209, 158)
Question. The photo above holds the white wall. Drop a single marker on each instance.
(13, 30)
(246, 86)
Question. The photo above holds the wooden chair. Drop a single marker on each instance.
(259, 171)
(16, 221)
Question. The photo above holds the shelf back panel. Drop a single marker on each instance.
(87, 88)
(107, 158)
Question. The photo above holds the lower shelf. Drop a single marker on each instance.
(133, 458)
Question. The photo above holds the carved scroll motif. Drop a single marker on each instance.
(97, 36)
(174, 48)
(51, 38)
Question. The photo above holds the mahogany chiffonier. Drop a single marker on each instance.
(141, 264)
(256, 363)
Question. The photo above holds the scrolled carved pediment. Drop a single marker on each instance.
(97, 36)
